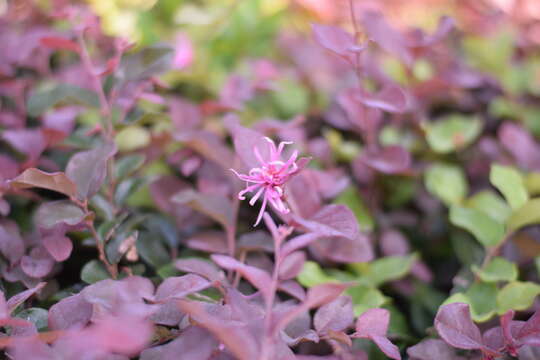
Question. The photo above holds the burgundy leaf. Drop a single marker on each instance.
(31, 142)
(58, 246)
(38, 263)
(58, 43)
(388, 160)
(245, 140)
(194, 343)
(11, 242)
(293, 288)
(21, 297)
(52, 181)
(217, 207)
(180, 286)
(335, 39)
(199, 267)
(88, 169)
(385, 36)
(529, 334)
(373, 325)
(454, 325)
(427, 348)
(70, 312)
(236, 337)
(291, 265)
(208, 145)
(336, 315)
(521, 145)
(208, 241)
(391, 98)
(257, 277)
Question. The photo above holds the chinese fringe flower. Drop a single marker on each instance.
(268, 180)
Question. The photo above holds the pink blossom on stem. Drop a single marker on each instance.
(268, 180)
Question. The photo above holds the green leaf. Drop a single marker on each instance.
(528, 214)
(94, 271)
(37, 316)
(498, 269)
(365, 297)
(532, 183)
(537, 264)
(385, 269)
(352, 198)
(453, 133)
(447, 182)
(147, 62)
(490, 204)
(485, 229)
(152, 250)
(312, 274)
(52, 213)
(517, 295)
(510, 183)
(128, 164)
(70, 94)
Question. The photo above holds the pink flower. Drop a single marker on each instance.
(269, 179)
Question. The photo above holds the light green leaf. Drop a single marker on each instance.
(510, 183)
(481, 298)
(352, 198)
(453, 133)
(528, 214)
(485, 229)
(365, 297)
(490, 204)
(498, 269)
(447, 182)
(312, 274)
(532, 183)
(385, 269)
(132, 138)
(517, 295)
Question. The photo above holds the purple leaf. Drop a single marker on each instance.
(521, 145)
(454, 325)
(257, 277)
(217, 207)
(11, 242)
(373, 325)
(373, 322)
(59, 246)
(181, 286)
(236, 337)
(52, 181)
(335, 39)
(199, 267)
(298, 242)
(529, 334)
(21, 297)
(31, 142)
(208, 145)
(194, 343)
(391, 98)
(427, 348)
(168, 314)
(291, 265)
(71, 312)
(208, 241)
(88, 169)
(38, 264)
(385, 36)
(336, 316)
(340, 238)
(388, 160)
(293, 288)
(245, 140)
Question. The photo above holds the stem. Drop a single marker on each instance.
(267, 341)
(357, 67)
(96, 82)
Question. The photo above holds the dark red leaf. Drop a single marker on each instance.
(52, 181)
(454, 324)
(58, 43)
